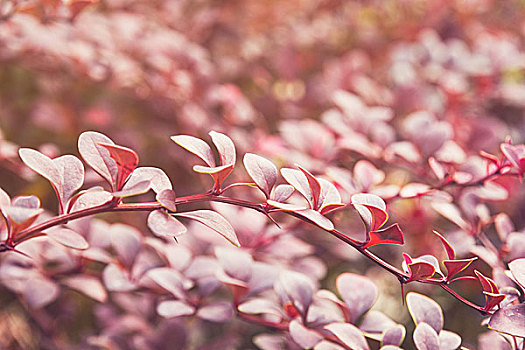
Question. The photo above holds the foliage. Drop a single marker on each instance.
(358, 145)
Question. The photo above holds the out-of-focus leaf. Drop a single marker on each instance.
(367, 174)
(437, 168)
(235, 262)
(196, 146)
(5, 200)
(125, 158)
(448, 340)
(509, 320)
(451, 212)
(327, 345)
(262, 171)
(215, 221)
(456, 266)
(358, 293)
(20, 215)
(126, 241)
(504, 226)
(349, 334)
(414, 190)
(116, 279)
(30, 202)
(39, 292)
(299, 289)
(390, 235)
(158, 179)
(517, 268)
(87, 285)
(97, 157)
(68, 238)
(220, 311)
(259, 306)
(425, 337)
(163, 224)
(174, 308)
(303, 336)
(394, 335)
(425, 310)
(167, 199)
(514, 155)
(169, 279)
(225, 147)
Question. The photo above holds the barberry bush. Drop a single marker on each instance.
(241, 175)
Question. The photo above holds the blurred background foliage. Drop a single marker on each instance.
(266, 73)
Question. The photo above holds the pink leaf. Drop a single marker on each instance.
(450, 251)
(68, 238)
(174, 308)
(298, 180)
(39, 292)
(116, 279)
(137, 188)
(225, 147)
(169, 279)
(367, 174)
(163, 224)
(298, 288)
(87, 285)
(30, 202)
(303, 336)
(167, 199)
(359, 293)
(315, 188)
(329, 198)
(126, 160)
(219, 311)
(196, 146)
(71, 172)
(97, 157)
(425, 310)
(425, 338)
(19, 215)
(509, 320)
(215, 221)
(349, 335)
(158, 178)
(517, 268)
(282, 193)
(414, 190)
(390, 235)
(262, 171)
(126, 240)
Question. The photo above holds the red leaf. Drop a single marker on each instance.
(371, 208)
(218, 173)
(126, 159)
(456, 266)
(421, 271)
(450, 251)
(262, 171)
(486, 283)
(390, 235)
(215, 221)
(492, 299)
(196, 146)
(315, 187)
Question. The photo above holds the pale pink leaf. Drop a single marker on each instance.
(298, 180)
(30, 202)
(303, 336)
(196, 146)
(225, 147)
(68, 238)
(163, 224)
(169, 279)
(39, 292)
(71, 172)
(425, 337)
(425, 310)
(282, 193)
(220, 311)
(116, 279)
(174, 308)
(262, 171)
(358, 292)
(137, 188)
(159, 181)
(87, 285)
(97, 157)
(167, 199)
(349, 334)
(215, 221)
(126, 240)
